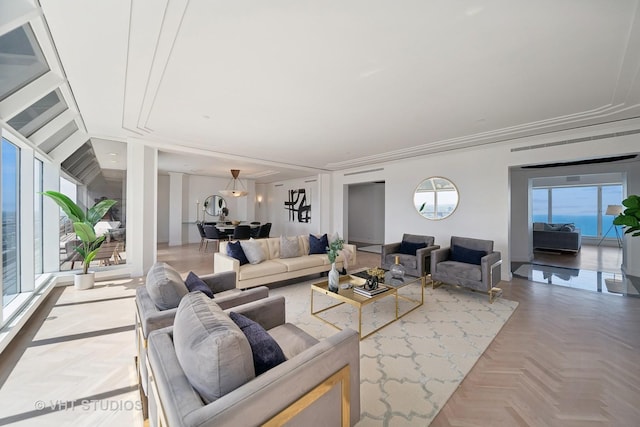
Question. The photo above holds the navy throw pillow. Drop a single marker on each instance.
(466, 255)
(318, 245)
(194, 283)
(409, 248)
(266, 351)
(234, 250)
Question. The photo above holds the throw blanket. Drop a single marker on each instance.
(346, 256)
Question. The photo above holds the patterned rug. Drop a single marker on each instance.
(410, 368)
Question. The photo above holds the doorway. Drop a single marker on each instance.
(365, 215)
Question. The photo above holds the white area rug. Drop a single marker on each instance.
(376, 249)
(410, 368)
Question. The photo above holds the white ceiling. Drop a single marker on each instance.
(284, 89)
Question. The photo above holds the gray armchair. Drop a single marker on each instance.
(468, 262)
(202, 373)
(415, 265)
(157, 303)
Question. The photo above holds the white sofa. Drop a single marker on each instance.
(274, 268)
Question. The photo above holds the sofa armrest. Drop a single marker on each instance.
(151, 318)
(242, 297)
(268, 312)
(280, 386)
(283, 385)
(439, 255)
(390, 248)
(220, 282)
(168, 381)
(424, 265)
(488, 263)
(422, 253)
(353, 250)
(223, 262)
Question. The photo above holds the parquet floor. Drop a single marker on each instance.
(566, 357)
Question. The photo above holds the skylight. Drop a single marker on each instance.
(21, 60)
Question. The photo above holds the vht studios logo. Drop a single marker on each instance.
(88, 405)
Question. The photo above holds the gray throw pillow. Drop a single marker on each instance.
(165, 286)
(289, 247)
(253, 251)
(213, 352)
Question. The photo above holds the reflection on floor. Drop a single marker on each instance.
(598, 281)
(594, 268)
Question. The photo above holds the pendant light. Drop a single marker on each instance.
(233, 192)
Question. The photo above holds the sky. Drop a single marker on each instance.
(9, 163)
(578, 201)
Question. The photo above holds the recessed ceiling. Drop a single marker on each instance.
(296, 88)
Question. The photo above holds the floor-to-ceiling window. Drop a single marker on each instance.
(611, 195)
(10, 218)
(38, 231)
(585, 206)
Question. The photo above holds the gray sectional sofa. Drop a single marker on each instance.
(558, 237)
(201, 371)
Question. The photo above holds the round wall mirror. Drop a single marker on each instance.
(435, 198)
(213, 205)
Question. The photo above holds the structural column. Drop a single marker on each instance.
(175, 208)
(142, 205)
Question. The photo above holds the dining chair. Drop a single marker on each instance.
(264, 230)
(242, 232)
(212, 235)
(202, 235)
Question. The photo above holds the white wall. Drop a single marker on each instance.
(273, 210)
(482, 178)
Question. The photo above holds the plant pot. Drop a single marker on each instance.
(84, 281)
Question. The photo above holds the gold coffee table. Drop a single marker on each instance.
(348, 296)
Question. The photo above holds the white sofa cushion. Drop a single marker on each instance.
(274, 247)
(266, 268)
(299, 263)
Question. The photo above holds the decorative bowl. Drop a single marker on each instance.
(235, 222)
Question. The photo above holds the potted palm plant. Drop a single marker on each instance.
(630, 217)
(83, 226)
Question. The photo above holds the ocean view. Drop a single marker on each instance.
(588, 224)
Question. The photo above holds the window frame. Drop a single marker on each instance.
(18, 214)
(600, 209)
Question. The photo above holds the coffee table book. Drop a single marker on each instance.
(369, 293)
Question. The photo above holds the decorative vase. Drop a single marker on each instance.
(84, 281)
(334, 278)
(397, 270)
